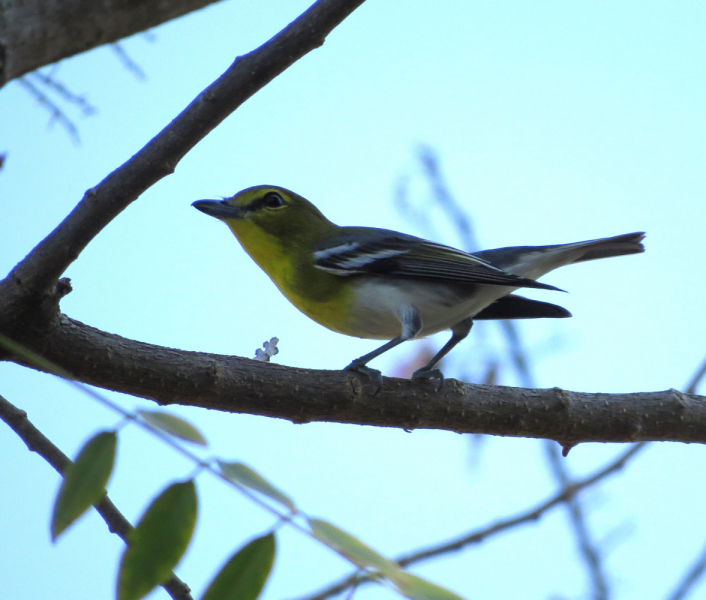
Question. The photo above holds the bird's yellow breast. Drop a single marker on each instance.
(321, 296)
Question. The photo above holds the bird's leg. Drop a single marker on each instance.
(358, 365)
(411, 326)
(458, 333)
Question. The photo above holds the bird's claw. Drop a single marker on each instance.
(422, 374)
(373, 375)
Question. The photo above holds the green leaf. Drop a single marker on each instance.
(352, 548)
(245, 574)
(417, 588)
(173, 425)
(84, 481)
(159, 541)
(244, 475)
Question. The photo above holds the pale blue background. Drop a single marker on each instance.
(554, 122)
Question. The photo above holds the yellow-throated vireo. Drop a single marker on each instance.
(385, 285)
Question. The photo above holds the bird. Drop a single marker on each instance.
(380, 284)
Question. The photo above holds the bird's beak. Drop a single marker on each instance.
(220, 209)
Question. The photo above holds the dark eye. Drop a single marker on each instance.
(273, 200)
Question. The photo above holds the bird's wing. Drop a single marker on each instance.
(359, 250)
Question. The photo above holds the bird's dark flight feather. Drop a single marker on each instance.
(517, 307)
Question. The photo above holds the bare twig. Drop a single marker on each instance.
(696, 379)
(39, 443)
(696, 571)
(589, 552)
(445, 199)
(57, 115)
(518, 358)
(127, 61)
(587, 548)
(531, 515)
(51, 82)
(480, 535)
(692, 576)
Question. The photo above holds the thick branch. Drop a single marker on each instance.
(241, 385)
(37, 442)
(34, 33)
(38, 272)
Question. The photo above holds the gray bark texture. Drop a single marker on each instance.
(34, 33)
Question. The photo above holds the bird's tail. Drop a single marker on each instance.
(620, 245)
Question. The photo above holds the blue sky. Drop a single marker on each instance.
(553, 122)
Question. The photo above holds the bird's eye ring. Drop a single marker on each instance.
(273, 200)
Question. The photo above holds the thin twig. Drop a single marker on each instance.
(64, 93)
(56, 113)
(521, 364)
(696, 379)
(127, 61)
(482, 534)
(589, 551)
(445, 199)
(692, 576)
(37, 442)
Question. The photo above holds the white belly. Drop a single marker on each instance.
(378, 304)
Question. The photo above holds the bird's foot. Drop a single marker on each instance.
(424, 373)
(373, 375)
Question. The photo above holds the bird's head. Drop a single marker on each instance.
(276, 227)
(271, 209)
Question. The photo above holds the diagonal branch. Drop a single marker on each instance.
(37, 442)
(480, 535)
(691, 578)
(37, 273)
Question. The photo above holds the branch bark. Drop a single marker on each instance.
(241, 385)
(249, 73)
(27, 294)
(35, 33)
(37, 442)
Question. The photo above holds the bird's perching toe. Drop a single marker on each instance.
(373, 375)
(426, 373)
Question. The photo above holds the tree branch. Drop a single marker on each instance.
(480, 535)
(36, 33)
(691, 578)
(37, 442)
(697, 570)
(241, 385)
(38, 272)
(590, 553)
